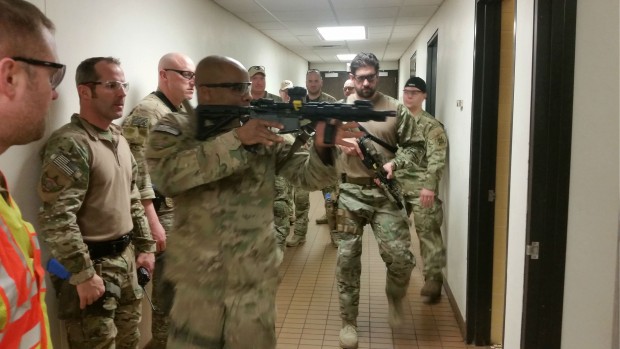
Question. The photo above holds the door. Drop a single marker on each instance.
(431, 74)
(550, 152)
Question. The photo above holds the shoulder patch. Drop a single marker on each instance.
(167, 129)
(65, 166)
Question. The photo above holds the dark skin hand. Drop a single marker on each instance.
(257, 131)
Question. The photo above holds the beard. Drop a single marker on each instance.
(365, 92)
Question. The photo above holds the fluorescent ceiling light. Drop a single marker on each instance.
(346, 57)
(342, 33)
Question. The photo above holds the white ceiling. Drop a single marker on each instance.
(391, 24)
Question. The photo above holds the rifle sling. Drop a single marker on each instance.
(379, 141)
(300, 140)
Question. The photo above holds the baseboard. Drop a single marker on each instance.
(455, 308)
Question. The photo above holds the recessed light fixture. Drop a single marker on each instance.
(346, 57)
(342, 33)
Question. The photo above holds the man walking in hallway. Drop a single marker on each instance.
(420, 182)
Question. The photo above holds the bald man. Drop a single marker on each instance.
(175, 84)
(224, 260)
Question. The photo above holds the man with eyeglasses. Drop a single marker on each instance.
(257, 78)
(29, 76)
(175, 84)
(91, 213)
(224, 259)
(348, 89)
(420, 184)
(361, 202)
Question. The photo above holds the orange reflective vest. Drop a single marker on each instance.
(23, 314)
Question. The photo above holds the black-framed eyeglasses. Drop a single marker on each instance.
(58, 75)
(241, 88)
(184, 73)
(369, 77)
(110, 84)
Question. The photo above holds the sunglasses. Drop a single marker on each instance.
(111, 84)
(241, 88)
(184, 73)
(58, 75)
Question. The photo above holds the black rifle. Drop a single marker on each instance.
(374, 161)
(217, 119)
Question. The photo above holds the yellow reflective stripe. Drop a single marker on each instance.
(31, 338)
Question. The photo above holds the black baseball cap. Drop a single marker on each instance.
(417, 82)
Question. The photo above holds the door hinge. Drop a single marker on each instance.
(491, 195)
(532, 250)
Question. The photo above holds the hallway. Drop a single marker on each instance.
(307, 301)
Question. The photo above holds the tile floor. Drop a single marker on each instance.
(307, 301)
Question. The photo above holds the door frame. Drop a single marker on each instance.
(549, 171)
(482, 172)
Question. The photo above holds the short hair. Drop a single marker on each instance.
(21, 25)
(313, 70)
(86, 72)
(363, 60)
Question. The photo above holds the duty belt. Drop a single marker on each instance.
(98, 250)
(365, 181)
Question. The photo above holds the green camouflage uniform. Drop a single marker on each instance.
(224, 259)
(359, 205)
(89, 195)
(136, 129)
(282, 206)
(428, 157)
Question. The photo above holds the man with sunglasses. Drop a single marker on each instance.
(175, 84)
(91, 214)
(29, 76)
(361, 202)
(224, 259)
(421, 185)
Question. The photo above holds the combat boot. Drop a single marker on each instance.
(322, 220)
(431, 292)
(348, 335)
(295, 240)
(396, 313)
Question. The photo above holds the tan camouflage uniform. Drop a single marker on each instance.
(359, 205)
(428, 157)
(224, 259)
(136, 129)
(282, 206)
(89, 195)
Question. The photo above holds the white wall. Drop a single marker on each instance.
(454, 22)
(138, 32)
(594, 202)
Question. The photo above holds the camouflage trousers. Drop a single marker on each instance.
(358, 206)
(240, 320)
(428, 227)
(301, 198)
(163, 294)
(112, 321)
(282, 208)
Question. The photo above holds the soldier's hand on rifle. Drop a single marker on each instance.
(342, 135)
(351, 148)
(257, 131)
(389, 169)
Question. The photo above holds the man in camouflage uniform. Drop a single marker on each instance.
(174, 85)
(361, 202)
(224, 259)
(420, 183)
(91, 212)
(257, 77)
(301, 198)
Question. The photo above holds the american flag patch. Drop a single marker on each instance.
(64, 164)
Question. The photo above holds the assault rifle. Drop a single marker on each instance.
(217, 119)
(374, 161)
